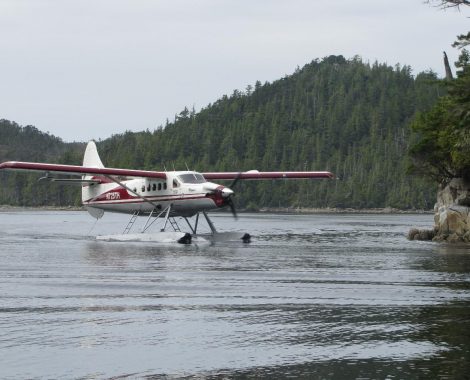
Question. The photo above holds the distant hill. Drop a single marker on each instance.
(30, 144)
(334, 114)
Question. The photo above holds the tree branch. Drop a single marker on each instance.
(448, 3)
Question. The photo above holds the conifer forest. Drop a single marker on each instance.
(342, 115)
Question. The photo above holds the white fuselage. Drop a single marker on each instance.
(187, 192)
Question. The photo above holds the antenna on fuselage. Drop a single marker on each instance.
(173, 163)
(187, 168)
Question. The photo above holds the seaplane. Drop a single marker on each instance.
(157, 195)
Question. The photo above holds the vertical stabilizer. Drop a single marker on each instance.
(91, 158)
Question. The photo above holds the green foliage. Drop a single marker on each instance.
(29, 144)
(442, 149)
(335, 114)
(432, 153)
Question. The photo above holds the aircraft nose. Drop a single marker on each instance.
(226, 192)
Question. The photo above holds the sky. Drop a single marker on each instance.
(88, 69)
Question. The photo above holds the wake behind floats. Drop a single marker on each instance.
(161, 196)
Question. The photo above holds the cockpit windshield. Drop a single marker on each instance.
(192, 178)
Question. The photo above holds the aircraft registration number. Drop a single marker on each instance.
(113, 196)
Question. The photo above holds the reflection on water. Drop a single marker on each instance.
(327, 296)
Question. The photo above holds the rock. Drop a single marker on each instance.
(427, 234)
(412, 233)
(452, 212)
(436, 217)
(415, 234)
(462, 192)
(456, 222)
(454, 238)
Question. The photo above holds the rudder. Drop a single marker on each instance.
(91, 157)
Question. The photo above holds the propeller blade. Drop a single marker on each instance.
(234, 182)
(232, 207)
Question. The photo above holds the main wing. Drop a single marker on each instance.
(257, 175)
(78, 170)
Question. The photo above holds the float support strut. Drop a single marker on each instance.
(168, 209)
(209, 222)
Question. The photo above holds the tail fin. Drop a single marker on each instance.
(91, 158)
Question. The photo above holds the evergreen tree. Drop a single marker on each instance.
(335, 114)
(442, 150)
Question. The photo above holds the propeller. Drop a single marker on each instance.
(231, 204)
(226, 195)
(235, 181)
(229, 201)
(223, 195)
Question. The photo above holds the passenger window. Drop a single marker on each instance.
(143, 188)
(154, 187)
(175, 183)
(159, 186)
(164, 186)
(148, 187)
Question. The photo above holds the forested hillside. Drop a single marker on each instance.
(334, 114)
(29, 144)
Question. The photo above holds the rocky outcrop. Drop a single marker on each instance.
(452, 212)
(415, 234)
(451, 215)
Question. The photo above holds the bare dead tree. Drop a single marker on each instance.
(449, 75)
(448, 3)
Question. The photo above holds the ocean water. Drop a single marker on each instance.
(326, 296)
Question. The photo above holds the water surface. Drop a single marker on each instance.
(325, 296)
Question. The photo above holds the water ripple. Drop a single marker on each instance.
(312, 296)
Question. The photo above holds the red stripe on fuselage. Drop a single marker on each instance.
(163, 198)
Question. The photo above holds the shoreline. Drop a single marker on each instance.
(263, 210)
(335, 210)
